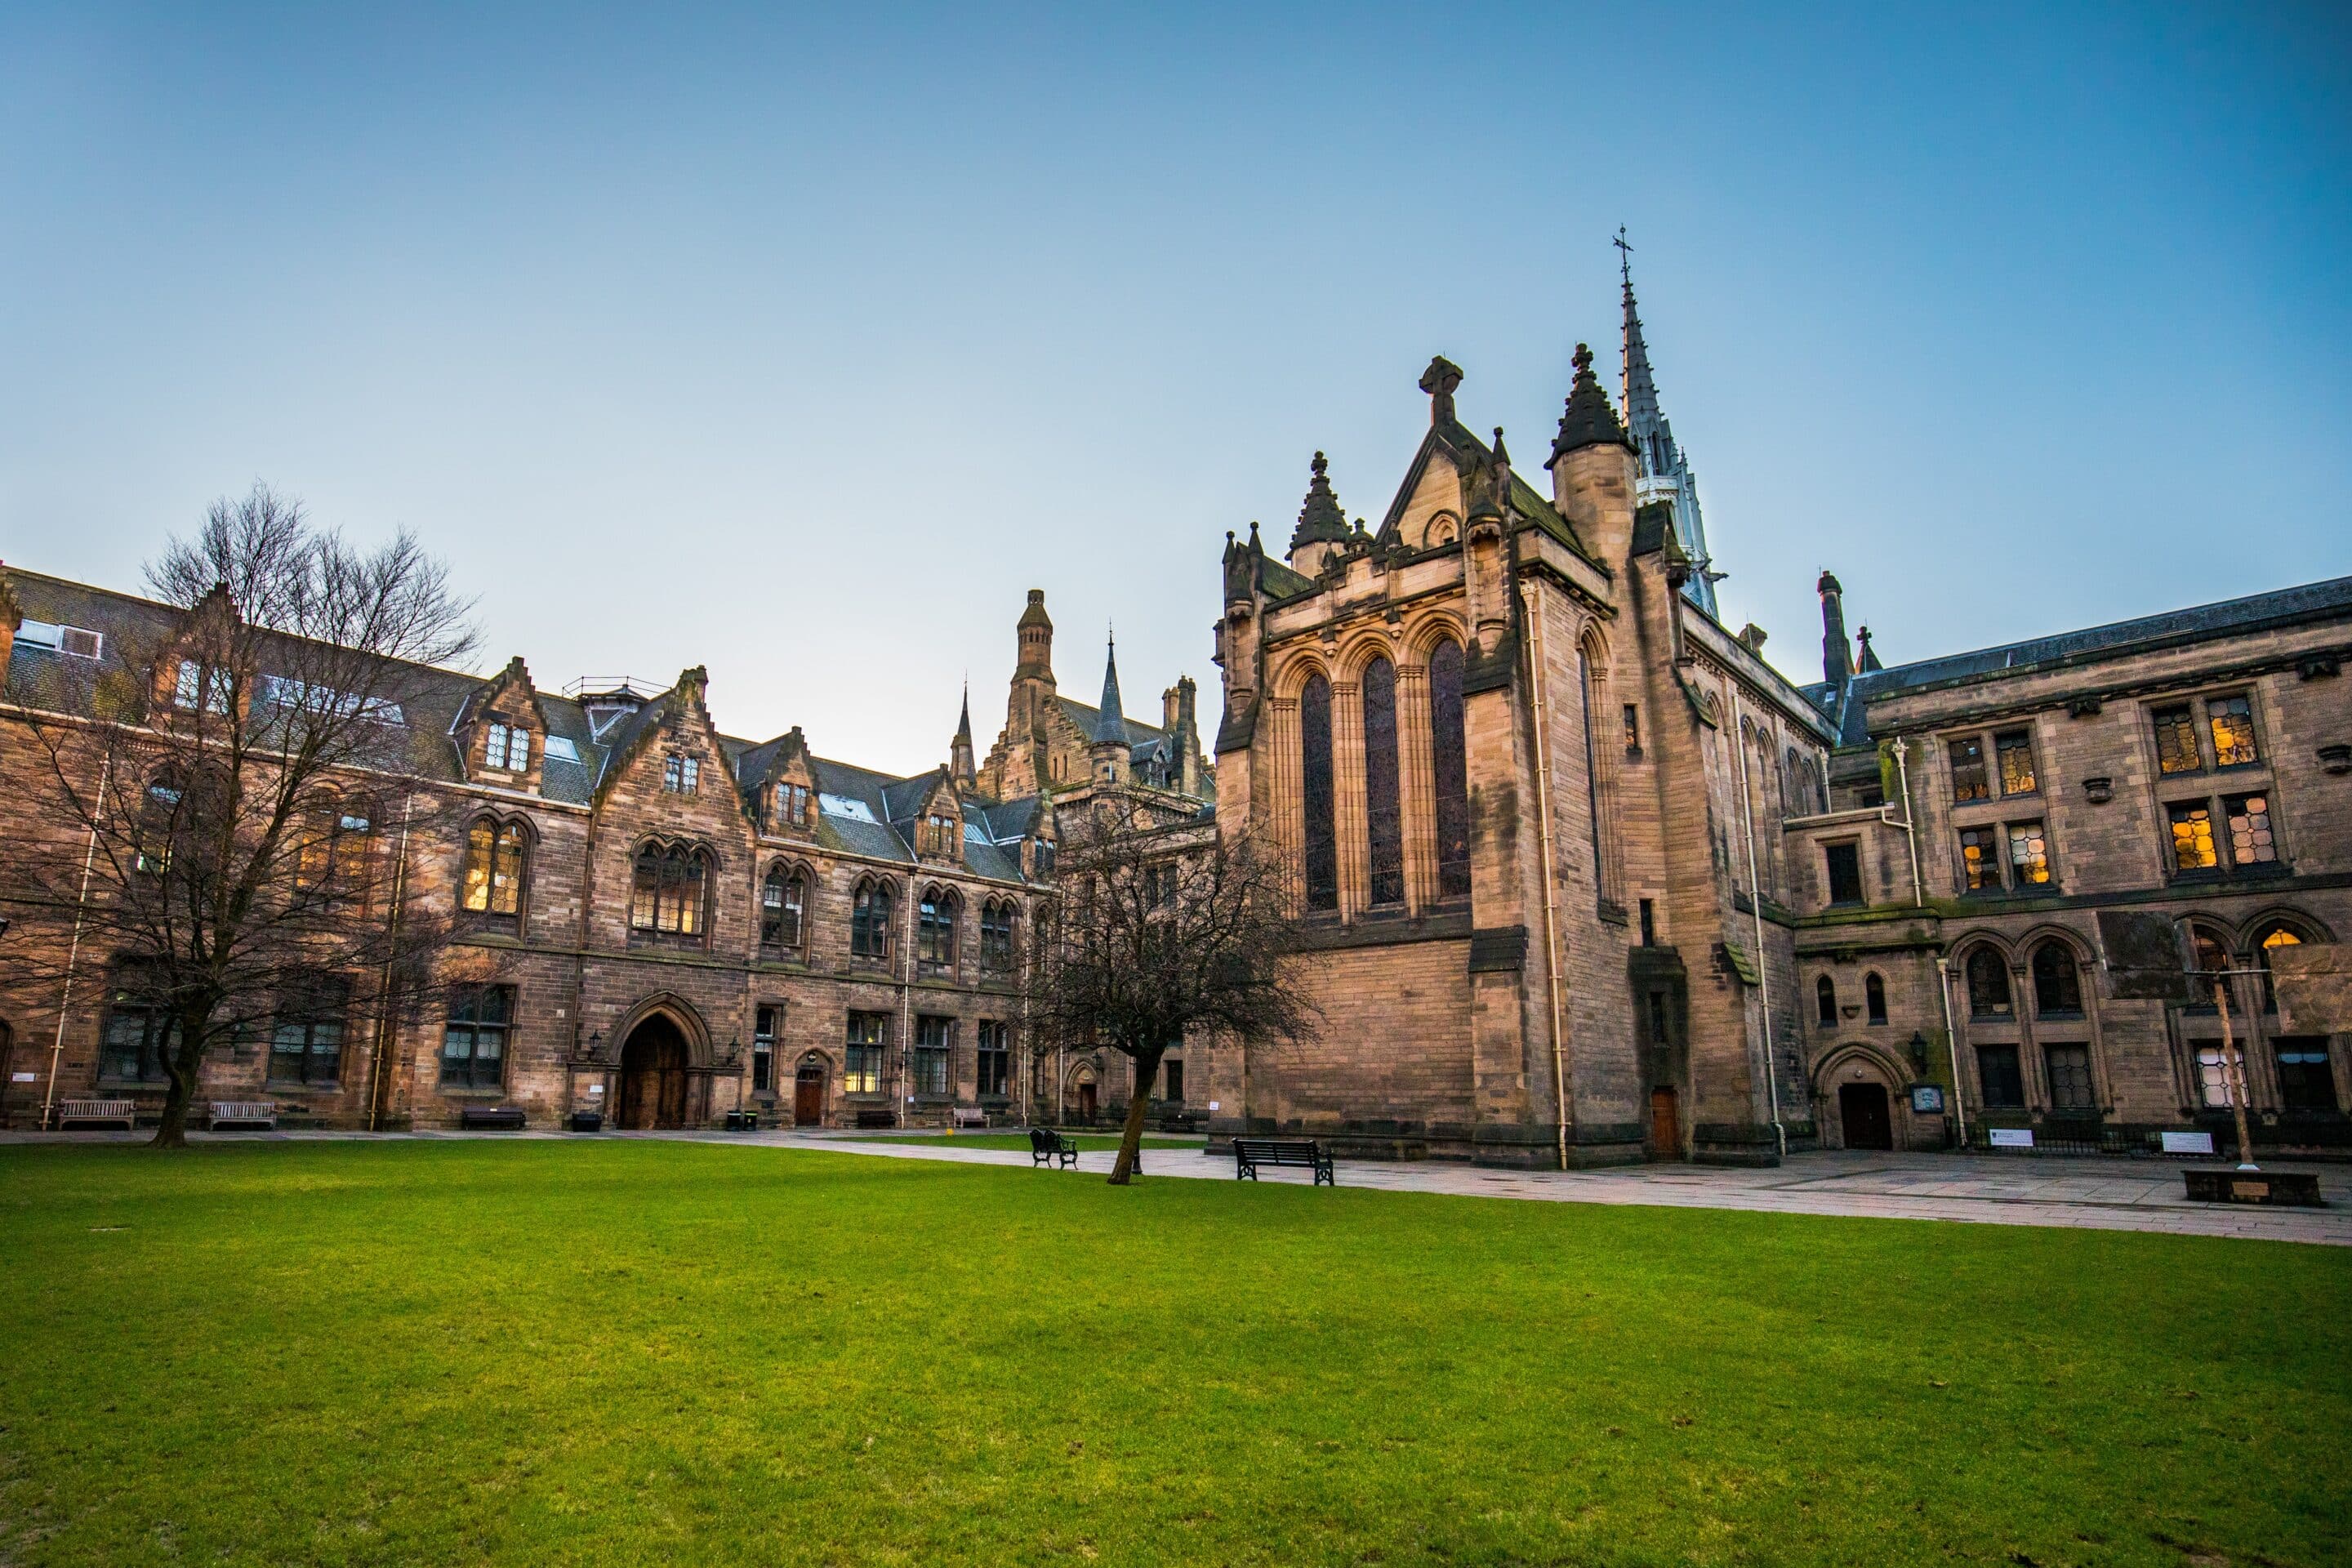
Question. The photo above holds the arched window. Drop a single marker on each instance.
(667, 894)
(1989, 985)
(1587, 684)
(2267, 942)
(1450, 758)
(935, 929)
(869, 921)
(1825, 1002)
(1874, 997)
(783, 897)
(2208, 954)
(2057, 982)
(491, 883)
(1384, 817)
(1315, 781)
(996, 936)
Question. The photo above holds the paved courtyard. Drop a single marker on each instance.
(2097, 1194)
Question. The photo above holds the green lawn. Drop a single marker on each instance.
(651, 1352)
(1087, 1141)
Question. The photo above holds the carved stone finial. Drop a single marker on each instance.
(1439, 381)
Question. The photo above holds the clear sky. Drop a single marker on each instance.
(800, 346)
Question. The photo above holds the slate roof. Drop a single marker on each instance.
(2227, 618)
(433, 699)
(1089, 722)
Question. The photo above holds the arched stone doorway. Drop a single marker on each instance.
(653, 1075)
(808, 1092)
(1861, 1092)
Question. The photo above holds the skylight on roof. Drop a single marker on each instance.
(73, 640)
(845, 805)
(560, 748)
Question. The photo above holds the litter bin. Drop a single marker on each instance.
(587, 1122)
(742, 1121)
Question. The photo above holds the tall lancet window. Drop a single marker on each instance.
(1315, 778)
(1384, 820)
(1451, 769)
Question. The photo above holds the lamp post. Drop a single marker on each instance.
(2233, 1070)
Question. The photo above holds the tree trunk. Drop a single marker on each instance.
(1139, 1106)
(180, 1089)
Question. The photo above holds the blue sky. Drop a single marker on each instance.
(800, 346)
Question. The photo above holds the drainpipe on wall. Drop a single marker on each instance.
(907, 1004)
(1756, 908)
(378, 1076)
(1952, 1038)
(73, 954)
(1910, 822)
(1543, 841)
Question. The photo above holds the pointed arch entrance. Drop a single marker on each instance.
(653, 1075)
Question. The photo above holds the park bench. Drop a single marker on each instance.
(1303, 1153)
(969, 1116)
(492, 1118)
(1045, 1144)
(87, 1110)
(870, 1116)
(260, 1114)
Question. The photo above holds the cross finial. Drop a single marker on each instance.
(1624, 257)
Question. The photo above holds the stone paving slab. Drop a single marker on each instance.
(2096, 1195)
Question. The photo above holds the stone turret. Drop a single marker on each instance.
(1593, 467)
(1322, 529)
(1837, 660)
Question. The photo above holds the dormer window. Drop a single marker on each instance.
(793, 804)
(509, 747)
(681, 775)
(940, 834)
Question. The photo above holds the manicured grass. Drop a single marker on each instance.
(654, 1351)
(1088, 1142)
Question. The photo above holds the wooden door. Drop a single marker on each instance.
(808, 1097)
(1666, 1124)
(1868, 1125)
(1087, 1101)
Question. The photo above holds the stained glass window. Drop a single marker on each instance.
(1315, 776)
(2250, 843)
(2192, 835)
(2057, 982)
(2014, 750)
(1453, 771)
(1989, 985)
(2029, 855)
(2069, 1078)
(1968, 781)
(2232, 722)
(1383, 819)
(2176, 739)
(2212, 1077)
(1979, 860)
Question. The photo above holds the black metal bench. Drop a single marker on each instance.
(1303, 1153)
(872, 1116)
(492, 1118)
(1044, 1144)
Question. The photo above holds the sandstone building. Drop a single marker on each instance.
(680, 923)
(1584, 879)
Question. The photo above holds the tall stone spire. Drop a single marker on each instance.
(961, 763)
(1111, 724)
(1665, 472)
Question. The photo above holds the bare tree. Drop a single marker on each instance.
(1159, 933)
(233, 790)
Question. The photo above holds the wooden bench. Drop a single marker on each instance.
(871, 1116)
(969, 1116)
(1045, 1144)
(87, 1110)
(493, 1118)
(1303, 1153)
(260, 1114)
